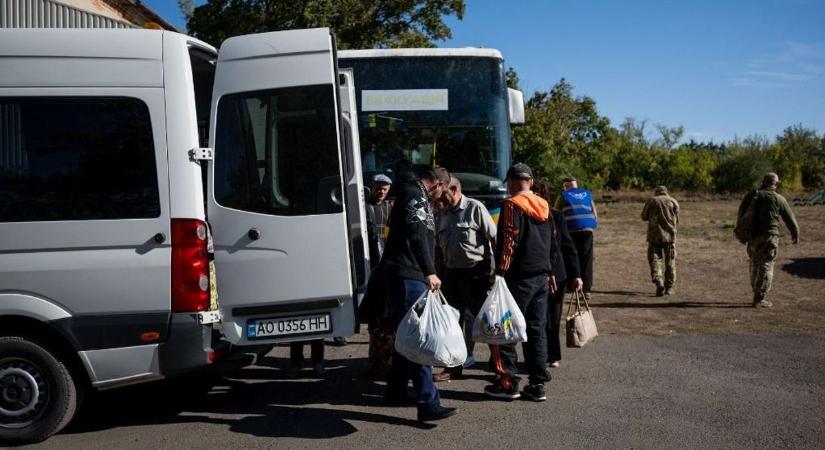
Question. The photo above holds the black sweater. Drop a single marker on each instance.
(410, 250)
(567, 259)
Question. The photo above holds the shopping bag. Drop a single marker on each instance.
(500, 320)
(430, 334)
(581, 326)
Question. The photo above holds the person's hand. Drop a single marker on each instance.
(551, 284)
(577, 284)
(433, 282)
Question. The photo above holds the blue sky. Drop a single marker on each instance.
(721, 68)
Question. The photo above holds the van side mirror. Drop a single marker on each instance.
(515, 105)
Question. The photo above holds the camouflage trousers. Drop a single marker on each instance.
(762, 253)
(662, 260)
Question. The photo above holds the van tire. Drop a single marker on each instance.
(23, 362)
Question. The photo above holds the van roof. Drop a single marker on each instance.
(40, 57)
(421, 52)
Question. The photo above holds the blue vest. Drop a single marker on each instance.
(578, 213)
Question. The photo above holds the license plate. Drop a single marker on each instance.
(288, 326)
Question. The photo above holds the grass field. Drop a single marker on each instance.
(713, 294)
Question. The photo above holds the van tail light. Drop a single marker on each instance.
(190, 266)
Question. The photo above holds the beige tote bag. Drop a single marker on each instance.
(581, 326)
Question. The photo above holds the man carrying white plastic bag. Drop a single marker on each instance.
(525, 251)
(430, 334)
(500, 320)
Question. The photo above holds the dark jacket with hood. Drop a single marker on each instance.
(566, 265)
(525, 244)
(410, 249)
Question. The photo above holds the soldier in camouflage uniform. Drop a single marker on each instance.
(662, 215)
(764, 236)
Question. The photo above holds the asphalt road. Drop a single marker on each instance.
(756, 391)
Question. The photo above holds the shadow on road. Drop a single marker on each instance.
(671, 305)
(628, 293)
(807, 268)
(269, 404)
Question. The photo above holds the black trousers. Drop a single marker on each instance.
(296, 352)
(584, 247)
(555, 301)
(465, 289)
(531, 296)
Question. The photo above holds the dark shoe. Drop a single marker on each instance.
(339, 341)
(438, 412)
(399, 400)
(534, 392)
(762, 304)
(441, 377)
(497, 391)
(660, 291)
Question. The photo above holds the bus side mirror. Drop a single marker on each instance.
(515, 105)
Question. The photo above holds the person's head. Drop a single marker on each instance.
(770, 180)
(519, 178)
(452, 195)
(434, 181)
(540, 188)
(380, 187)
(569, 183)
(660, 190)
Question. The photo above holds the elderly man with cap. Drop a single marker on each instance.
(763, 209)
(579, 211)
(378, 214)
(661, 212)
(525, 251)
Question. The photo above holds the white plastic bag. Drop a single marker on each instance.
(430, 335)
(500, 320)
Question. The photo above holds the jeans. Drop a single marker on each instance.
(403, 292)
(531, 296)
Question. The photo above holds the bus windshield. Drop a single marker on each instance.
(448, 111)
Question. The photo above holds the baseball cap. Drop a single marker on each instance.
(520, 170)
(380, 178)
(569, 179)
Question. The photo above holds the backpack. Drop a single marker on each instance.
(744, 223)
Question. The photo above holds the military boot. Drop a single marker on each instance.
(660, 289)
(670, 291)
(759, 301)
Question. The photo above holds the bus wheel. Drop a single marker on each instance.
(38, 396)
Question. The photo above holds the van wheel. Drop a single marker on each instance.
(38, 396)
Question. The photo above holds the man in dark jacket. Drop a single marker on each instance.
(409, 267)
(525, 251)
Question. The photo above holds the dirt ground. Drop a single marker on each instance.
(713, 294)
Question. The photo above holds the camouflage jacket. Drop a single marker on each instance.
(662, 215)
(771, 208)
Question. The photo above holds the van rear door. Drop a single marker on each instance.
(275, 199)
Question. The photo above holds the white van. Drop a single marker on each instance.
(106, 188)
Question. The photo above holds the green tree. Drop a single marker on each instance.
(798, 158)
(357, 23)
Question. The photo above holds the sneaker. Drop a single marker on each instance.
(534, 392)
(762, 304)
(437, 412)
(554, 364)
(496, 391)
(318, 369)
(339, 341)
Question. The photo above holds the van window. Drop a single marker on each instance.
(203, 78)
(276, 152)
(76, 158)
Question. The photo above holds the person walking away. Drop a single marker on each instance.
(524, 254)
(465, 232)
(565, 268)
(579, 211)
(381, 337)
(409, 269)
(661, 212)
(296, 357)
(763, 209)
